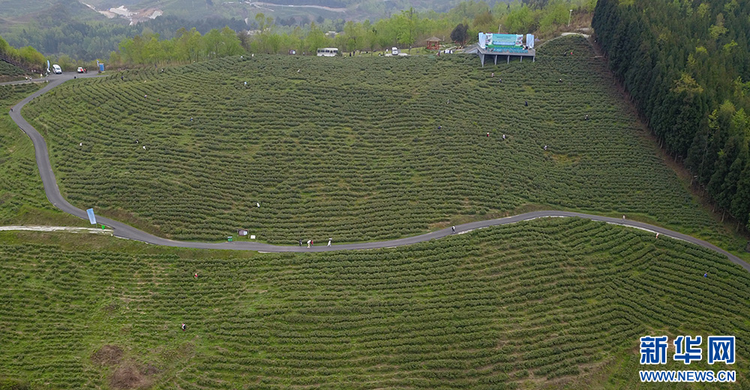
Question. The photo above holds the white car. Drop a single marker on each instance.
(56, 69)
(80, 69)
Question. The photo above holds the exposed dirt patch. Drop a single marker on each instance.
(564, 159)
(111, 308)
(129, 376)
(108, 355)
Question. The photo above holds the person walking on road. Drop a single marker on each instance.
(308, 243)
(329, 241)
(453, 228)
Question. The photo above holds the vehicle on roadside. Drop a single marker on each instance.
(80, 69)
(56, 69)
(328, 52)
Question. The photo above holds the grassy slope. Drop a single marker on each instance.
(547, 303)
(22, 199)
(349, 147)
(10, 72)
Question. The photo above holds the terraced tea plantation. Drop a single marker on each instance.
(10, 72)
(551, 302)
(22, 198)
(358, 149)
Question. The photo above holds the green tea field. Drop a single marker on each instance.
(550, 303)
(10, 72)
(358, 149)
(22, 198)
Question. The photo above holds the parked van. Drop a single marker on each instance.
(56, 69)
(328, 52)
(394, 51)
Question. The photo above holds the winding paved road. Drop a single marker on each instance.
(126, 231)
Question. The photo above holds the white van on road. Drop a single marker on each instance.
(56, 69)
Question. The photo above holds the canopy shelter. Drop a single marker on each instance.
(433, 43)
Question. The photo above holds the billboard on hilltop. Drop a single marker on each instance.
(490, 40)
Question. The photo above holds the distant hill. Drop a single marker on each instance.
(14, 12)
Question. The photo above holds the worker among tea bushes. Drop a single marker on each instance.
(183, 327)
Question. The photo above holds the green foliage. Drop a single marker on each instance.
(530, 305)
(10, 72)
(26, 57)
(557, 13)
(11, 384)
(91, 40)
(688, 77)
(22, 198)
(186, 46)
(459, 34)
(521, 20)
(350, 147)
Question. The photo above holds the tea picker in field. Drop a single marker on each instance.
(183, 327)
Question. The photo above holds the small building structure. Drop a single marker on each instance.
(433, 43)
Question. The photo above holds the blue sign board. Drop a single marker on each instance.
(92, 217)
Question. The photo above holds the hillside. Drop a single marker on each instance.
(547, 303)
(10, 72)
(687, 68)
(22, 199)
(358, 148)
(18, 11)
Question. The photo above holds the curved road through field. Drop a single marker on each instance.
(126, 231)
